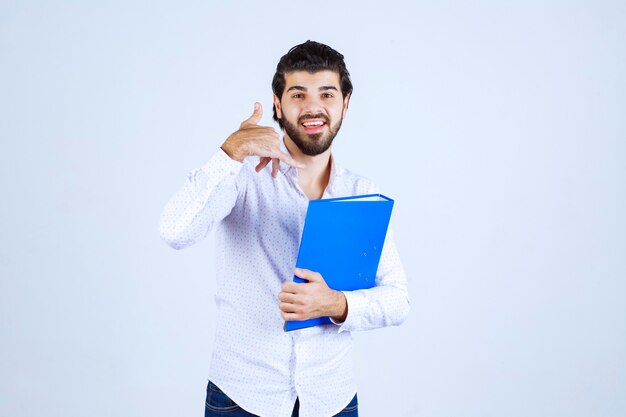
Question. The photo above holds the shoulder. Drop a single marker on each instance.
(356, 184)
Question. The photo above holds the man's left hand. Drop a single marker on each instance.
(307, 300)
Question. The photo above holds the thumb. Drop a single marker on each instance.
(307, 274)
(256, 115)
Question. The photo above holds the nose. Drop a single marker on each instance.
(313, 105)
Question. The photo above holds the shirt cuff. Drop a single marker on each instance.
(357, 306)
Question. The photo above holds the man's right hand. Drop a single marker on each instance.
(263, 141)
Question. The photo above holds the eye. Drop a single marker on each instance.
(327, 95)
(297, 95)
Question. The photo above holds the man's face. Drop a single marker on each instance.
(312, 109)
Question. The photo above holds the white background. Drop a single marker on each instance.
(498, 127)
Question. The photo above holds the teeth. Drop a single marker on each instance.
(313, 123)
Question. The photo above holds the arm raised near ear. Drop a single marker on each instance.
(207, 196)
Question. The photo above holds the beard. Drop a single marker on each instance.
(315, 143)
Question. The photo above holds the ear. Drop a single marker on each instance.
(279, 112)
(346, 100)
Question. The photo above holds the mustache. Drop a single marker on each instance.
(306, 117)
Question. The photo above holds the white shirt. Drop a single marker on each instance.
(258, 222)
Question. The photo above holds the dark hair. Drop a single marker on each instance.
(310, 56)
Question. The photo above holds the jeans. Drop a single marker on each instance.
(219, 404)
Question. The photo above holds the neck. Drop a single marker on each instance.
(317, 172)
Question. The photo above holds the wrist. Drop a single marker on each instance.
(235, 153)
(340, 307)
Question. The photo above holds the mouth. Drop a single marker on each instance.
(313, 125)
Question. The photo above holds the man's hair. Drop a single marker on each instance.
(310, 56)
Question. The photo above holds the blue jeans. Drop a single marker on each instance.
(219, 404)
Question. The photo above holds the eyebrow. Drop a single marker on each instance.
(322, 88)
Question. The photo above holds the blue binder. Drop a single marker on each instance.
(342, 240)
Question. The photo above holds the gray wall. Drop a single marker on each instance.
(499, 129)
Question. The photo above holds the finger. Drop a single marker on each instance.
(275, 167)
(307, 274)
(291, 287)
(288, 307)
(287, 297)
(256, 115)
(288, 160)
(290, 316)
(262, 163)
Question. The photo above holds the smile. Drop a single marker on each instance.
(313, 125)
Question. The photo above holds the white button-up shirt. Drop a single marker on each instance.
(258, 223)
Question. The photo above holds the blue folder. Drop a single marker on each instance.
(342, 240)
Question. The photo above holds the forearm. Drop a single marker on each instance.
(208, 195)
(375, 308)
(386, 304)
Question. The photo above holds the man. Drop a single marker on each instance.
(254, 193)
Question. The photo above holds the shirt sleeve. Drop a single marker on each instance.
(207, 196)
(387, 303)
